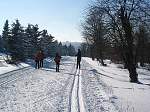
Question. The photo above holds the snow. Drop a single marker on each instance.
(77, 102)
(93, 88)
(74, 96)
(4, 67)
(129, 97)
(37, 90)
(95, 97)
(81, 99)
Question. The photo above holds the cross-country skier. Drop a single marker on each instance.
(57, 61)
(78, 59)
(37, 60)
(41, 58)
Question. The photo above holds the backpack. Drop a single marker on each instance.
(57, 59)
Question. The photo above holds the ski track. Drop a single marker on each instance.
(76, 98)
(81, 99)
(74, 107)
(44, 90)
(64, 102)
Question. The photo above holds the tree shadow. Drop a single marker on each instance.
(73, 74)
(50, 70)
(141, 73)
(142, 83)
(113, 73)
(128, 88)
(95, 71)
(30, 62)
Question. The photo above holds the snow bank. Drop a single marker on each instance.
(8, 67)
(4, 67)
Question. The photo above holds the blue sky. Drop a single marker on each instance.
(60, 17)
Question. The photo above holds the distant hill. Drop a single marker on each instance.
(75, 44)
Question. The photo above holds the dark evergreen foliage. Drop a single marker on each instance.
(16, 44)
(6, 37)
(1, 44)
(24, 42)
(71, 50)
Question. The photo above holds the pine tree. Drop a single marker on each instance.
(64, 50)
(59, 50)
(45, 42)
(1, 44)
(35, 38)
(17, 42)
(54, 47)
(28, 42)
(32, 41)
(71, 50)
(6, 37)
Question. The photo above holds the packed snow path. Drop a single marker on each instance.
(13, 75)
(44, 90)
(77, 103)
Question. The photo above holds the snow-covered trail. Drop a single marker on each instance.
(88, 92)
(77, 103)
(74, 94)
(14, 75)
(44, 90)
(39, 90)
(81, 99)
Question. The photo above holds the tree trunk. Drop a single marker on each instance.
(142, 61)
(102, 62)
(130, 58)
(102, 59)
(131, 66)
(133, 74)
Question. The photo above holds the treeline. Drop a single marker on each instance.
(22, 43)
(118, 30)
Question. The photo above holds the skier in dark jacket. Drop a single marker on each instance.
(57, 61)
(37, 60)
(78, 58)
(41, 58)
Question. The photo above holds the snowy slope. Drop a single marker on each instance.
(4, 67)
(129, 97)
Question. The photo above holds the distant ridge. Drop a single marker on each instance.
(75, 44)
